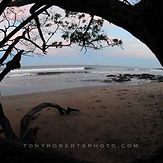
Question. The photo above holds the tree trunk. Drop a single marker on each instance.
(148, 26)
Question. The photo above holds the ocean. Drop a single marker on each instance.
(32, 79)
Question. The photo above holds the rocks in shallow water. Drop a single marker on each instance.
(160, 79)
(128, 77)
(121, 78)
(146, 76)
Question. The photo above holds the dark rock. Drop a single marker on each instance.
(146, 76)
(160, 78)
(121, 78)
(128, 77)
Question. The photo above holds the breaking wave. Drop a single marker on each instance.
(46, 71)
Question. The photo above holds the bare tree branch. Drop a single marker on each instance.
(22, 25)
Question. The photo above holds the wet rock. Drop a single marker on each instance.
(128, 77)
(160, 78)
(121, 78)
(146, 76)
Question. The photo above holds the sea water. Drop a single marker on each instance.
(48, 78)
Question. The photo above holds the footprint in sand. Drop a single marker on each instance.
(98, 101)
(124, 93)
(122, 98)
(151, 96)
(128, 104)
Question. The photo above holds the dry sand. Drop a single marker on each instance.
(108, 115)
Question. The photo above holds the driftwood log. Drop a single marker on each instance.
(28, 135)
(11, 148)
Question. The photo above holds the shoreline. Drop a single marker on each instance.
(27, 81)
(84, 88)
(118, 114)
(57, 91)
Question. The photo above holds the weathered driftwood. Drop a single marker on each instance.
(30, 114)
(6, 127)
(29, 136)
(12, 150)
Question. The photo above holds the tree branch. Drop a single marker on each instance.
(22, 25)
(33, 9)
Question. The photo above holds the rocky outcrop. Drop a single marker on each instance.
(129, 77)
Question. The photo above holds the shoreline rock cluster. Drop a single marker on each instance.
(129, 77)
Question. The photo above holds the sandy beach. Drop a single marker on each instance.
(115, 123)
